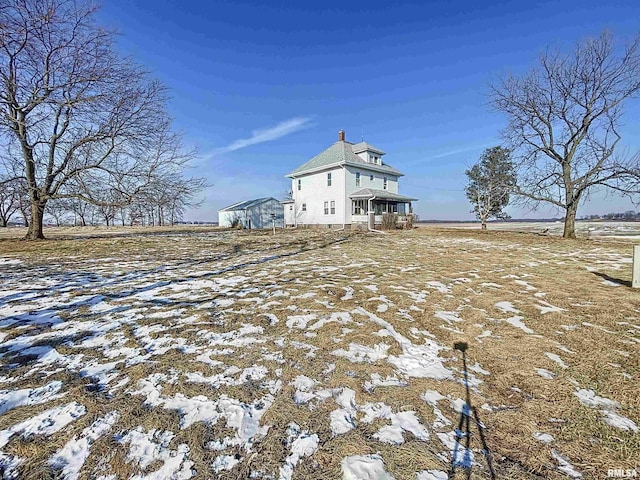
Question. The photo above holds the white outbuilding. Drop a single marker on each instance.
(258, 213)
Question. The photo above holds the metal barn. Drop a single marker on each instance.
(258, 213)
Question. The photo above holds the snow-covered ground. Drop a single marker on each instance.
(312, 354)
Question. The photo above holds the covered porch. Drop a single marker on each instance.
(380, 202)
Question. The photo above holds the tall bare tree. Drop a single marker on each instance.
(564, 121)
(84, 119)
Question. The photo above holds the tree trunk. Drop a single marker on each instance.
(570, 221)
(484, 224)
(35, 225)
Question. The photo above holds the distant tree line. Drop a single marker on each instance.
(628, 216)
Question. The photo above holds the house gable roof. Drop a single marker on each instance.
(246, 204)
(338, 154)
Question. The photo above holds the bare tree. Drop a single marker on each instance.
(9, 200)
(59, 210)
(491, 180)
(82, 211)
(84, 119)
(564, 122)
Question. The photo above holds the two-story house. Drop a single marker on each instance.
(342, 186)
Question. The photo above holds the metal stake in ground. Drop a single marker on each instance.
(465, 415)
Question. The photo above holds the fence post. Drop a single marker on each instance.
(635, 278)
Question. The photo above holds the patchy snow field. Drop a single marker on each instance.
(601, 230)
(316, 355)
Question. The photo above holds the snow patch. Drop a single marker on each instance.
(608, 409)
(432, 475)
(364, 467)
(360, 353)
(10, 399)
(415, 360)
(543, 437)
(47, 423)
(150, 447)
(70, 458)
(564, 466)
(302, 444)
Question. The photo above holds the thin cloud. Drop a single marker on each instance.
(268, 134)
(430, 157)
(454, 152)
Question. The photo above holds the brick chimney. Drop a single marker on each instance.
(341, 136)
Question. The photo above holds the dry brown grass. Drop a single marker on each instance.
(402, 266)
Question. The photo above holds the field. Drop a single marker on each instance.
(317, 355)
(602, 230)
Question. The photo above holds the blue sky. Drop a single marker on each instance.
(259, 89)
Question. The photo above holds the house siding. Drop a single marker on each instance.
(365, 182)
(314, 192)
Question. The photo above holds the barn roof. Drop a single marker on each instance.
(246, 204)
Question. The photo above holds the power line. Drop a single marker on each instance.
(432, 188)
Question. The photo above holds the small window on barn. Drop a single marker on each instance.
(329, 179)
(304, 207)
(333, 207)
(299, 184)
(326, 208)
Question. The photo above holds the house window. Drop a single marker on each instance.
(299, 184)
(359, 207)
(371, 178)
(329, 179)
(326, 208)
(384, 183)
(357, 179)
(290, 208)
(304, 207)
(333, 207)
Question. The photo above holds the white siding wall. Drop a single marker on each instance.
(226, 218)
(258, 216)
(367, 156)
(366, 182)
(314, 192)
(289, 214)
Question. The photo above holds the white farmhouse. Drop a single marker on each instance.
(258, 213)
(345, 185)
